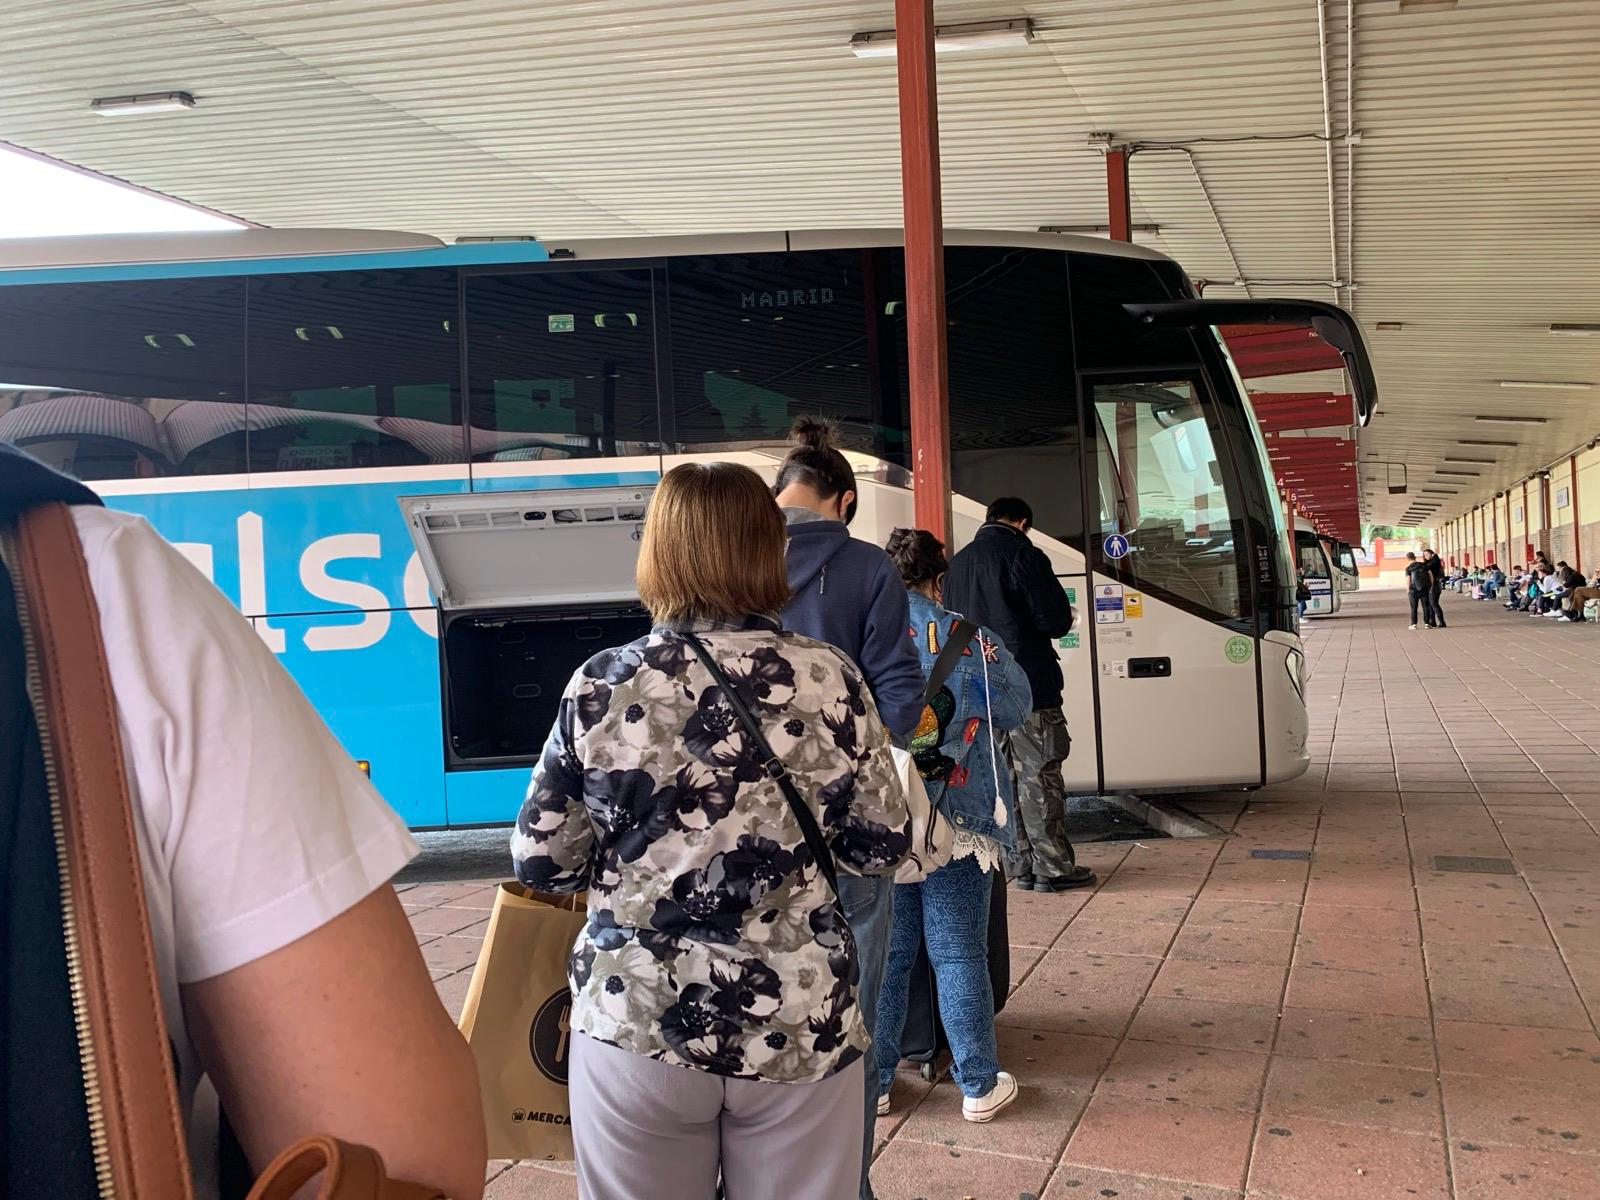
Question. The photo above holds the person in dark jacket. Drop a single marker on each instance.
(1435, 565)
(1005, 583)
(1419, 584)
(848, 593)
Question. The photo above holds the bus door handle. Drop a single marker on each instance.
(1149, 668)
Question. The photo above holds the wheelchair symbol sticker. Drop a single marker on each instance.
(1116, 546)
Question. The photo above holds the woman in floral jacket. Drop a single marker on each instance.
(714, 986)
(954, 750)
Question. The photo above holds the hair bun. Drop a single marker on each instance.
(899, 539)
(818, 433)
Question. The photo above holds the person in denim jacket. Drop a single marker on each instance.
(954, 748)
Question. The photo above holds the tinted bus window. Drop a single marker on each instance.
(354, 369)
(1106, 336)
(561, 364)
(1013, 403)
(126, 380)
(760, 339)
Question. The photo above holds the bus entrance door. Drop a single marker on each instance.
(1174, 659)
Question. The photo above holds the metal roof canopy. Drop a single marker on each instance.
(1461, 210)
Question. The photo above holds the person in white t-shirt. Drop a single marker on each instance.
(289, 975)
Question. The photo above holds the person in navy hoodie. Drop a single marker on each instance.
(848, 593)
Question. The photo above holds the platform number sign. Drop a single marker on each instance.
(1115, 546)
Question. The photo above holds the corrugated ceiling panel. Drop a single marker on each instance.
(1475, 181)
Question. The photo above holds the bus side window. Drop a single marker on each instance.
(562, 363)
(760, 339)
(131, 379)
(1013, 395)
(353, 369)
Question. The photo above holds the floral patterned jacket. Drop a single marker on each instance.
(713, 941)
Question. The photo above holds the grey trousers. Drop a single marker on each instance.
(1036, 750)
(645, 1130)
(869, 907)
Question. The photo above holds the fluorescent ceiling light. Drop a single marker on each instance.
(1547, 386)
(1389, 326)
(1575, 329)
(1479, 442)
(153, 102)
(1473, 474)
(1095, 228)
(1512, 420)
(978, 35)
(1483, 462)
(473, 240)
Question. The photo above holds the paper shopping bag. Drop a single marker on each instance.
(518, 1021)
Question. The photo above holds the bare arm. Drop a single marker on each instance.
(341, 1032)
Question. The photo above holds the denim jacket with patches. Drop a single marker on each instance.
(955, 745)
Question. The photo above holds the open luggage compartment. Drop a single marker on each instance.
(529, 585)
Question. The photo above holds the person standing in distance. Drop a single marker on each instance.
(1435, 565)
(1005, 583)
(847, 593)
(1419, 588)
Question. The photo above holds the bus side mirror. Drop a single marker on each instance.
(1336, 327)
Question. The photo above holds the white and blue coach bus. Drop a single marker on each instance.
(265, 397)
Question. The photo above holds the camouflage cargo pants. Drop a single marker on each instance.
(1036, 752)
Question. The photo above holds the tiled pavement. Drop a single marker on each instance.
(1212, 1025)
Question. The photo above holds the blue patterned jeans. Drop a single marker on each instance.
(950, 910)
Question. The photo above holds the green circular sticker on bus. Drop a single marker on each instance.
(1238, 649)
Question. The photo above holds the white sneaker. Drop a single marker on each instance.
(1413, 627)
(883, 1105)
(986, 1108)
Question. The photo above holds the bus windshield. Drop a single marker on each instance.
(1313, 559)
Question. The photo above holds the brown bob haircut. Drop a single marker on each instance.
(713, 546)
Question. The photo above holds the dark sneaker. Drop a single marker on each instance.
(1025, 882)
(1077, 877)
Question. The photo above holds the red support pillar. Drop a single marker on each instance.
(1288, 520)
(1527, 520)
(1119, 206)
(1577, 521)
(924, 234)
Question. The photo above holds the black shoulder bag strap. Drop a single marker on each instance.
(954, 647)
(770, 763)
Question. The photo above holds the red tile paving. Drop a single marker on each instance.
(1210, 1026)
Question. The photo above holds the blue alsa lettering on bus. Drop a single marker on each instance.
(334, 587)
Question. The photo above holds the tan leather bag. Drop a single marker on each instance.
(133, 1096)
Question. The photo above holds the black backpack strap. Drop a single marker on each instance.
(809, 828)
(961, 634)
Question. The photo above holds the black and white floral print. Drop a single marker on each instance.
(713, 941)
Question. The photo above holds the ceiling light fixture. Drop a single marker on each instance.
(477, 239)
(153, 102)
(1478, 442)
(976, 35)
(1575, 329)
(1463, 474)
(1389, 326)
(1482, 462)
(1505, 420)
(1095, 228)
(1541, 385)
